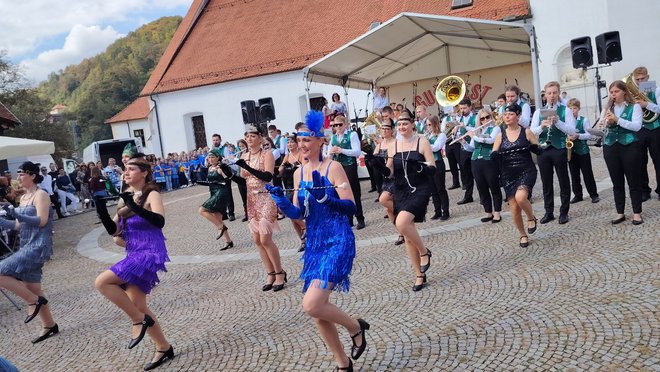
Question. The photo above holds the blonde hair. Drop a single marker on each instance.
(552, 84)
(641, 70)
(435, 123)
(574, 102)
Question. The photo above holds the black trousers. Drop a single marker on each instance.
(55, 199)
(372, 177)
(550, 161)
(230, 202)
(487, 179)
(377, 178)
(354, 181)
(453, 153)
(242, 189)
(440, 197)
(650, 144)
(619, 159)
(582, 163)
(466, 173)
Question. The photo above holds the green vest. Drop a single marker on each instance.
(470, 123)
(619, 134)
(656, 123)
(344, 143)
(483, 150)
(556, 137)
(437, 155)
(580, 147)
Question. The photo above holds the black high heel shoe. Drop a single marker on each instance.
(37, 306)
(279, 287)
(400, 241)
(222, 232)
(418, 287)
(424, 268)
(268, 286)
(51, 331)
(167, 354)
(349, 368)
(531, 230)
(146, 323)
(356, 351)
(229, 245)
(524, 244)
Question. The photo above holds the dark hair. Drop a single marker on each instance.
(622, 86)
(32, 169)
(272, 127)
(501, 96)
(216, 135)
(513, 88)
(388, 109)
(336, 94)
(465, 101)
(515, 108)
(239, 142)
(410, 115)
(299, 125)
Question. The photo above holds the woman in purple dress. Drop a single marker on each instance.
(139, 220)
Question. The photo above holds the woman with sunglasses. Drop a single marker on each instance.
(258, 165)
(329, 254)
(215, 208)
(512, 153)
(239, 180)
(21, 272)
(438, 140)
(410, 162)
(486, 175)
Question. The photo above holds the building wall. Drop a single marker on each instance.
(148, 126)
(220, 106)
(558, 21)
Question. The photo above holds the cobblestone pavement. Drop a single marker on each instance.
(583, 296)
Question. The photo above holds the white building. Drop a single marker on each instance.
(227, 52)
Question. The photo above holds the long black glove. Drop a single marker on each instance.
(377, 164)
(262, 175)
(102, 211)
(428, 170)
(152, 217)
(227, 171)
(535, 149)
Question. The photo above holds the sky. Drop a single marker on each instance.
(44, 36)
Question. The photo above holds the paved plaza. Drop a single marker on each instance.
(583, 296)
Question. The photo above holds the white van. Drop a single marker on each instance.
(112, 148)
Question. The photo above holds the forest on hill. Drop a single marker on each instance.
(93, 90)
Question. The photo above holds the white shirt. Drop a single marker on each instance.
(380, 102)
(585, 124)
(489, 139)
(355, 150)
(440, 142)
(567, 127)
(47, 184)
(654, 106)
(637, 116)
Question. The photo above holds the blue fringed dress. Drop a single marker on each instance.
(35, 249)
(330, 246)
(146, 253)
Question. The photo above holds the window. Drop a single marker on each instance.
(455, 4)
(139, 133)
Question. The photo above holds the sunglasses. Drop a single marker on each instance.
(337, 125)
(484, 117)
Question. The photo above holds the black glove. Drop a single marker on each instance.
(427, 170)
(153, 218)
(534, 148)
(227, 171)
(262, 175)
(106, 220)
(378, 164)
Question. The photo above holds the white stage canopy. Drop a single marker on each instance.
(11, 147)
(412, 47)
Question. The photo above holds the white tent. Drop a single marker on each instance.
(412, 47)
(11, 147)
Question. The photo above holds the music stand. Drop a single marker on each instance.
(11, 300)
(7, 247)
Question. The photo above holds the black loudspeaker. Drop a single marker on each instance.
(608, 47)
(581, 52)
(249, 110)
(266, 109)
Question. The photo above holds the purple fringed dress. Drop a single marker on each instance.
(146, 253)
(330, 243)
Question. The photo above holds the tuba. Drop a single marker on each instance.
(633, 88)
(450, 91)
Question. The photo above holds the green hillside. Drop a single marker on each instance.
(99, 87)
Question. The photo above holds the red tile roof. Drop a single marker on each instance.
(7, 119)
(230, 40)
(138, 109)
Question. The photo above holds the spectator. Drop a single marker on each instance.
(97, 184)
(47, 185)
(66, 190)
(113, 173)
(337, 106)
(380, 99)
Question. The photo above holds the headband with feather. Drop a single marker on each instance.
(314, 124)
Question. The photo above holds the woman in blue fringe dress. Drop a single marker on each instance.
(139, 221)
(21, 272)
(330, 247)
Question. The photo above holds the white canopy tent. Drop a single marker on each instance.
(11, 147)
(412, 47)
